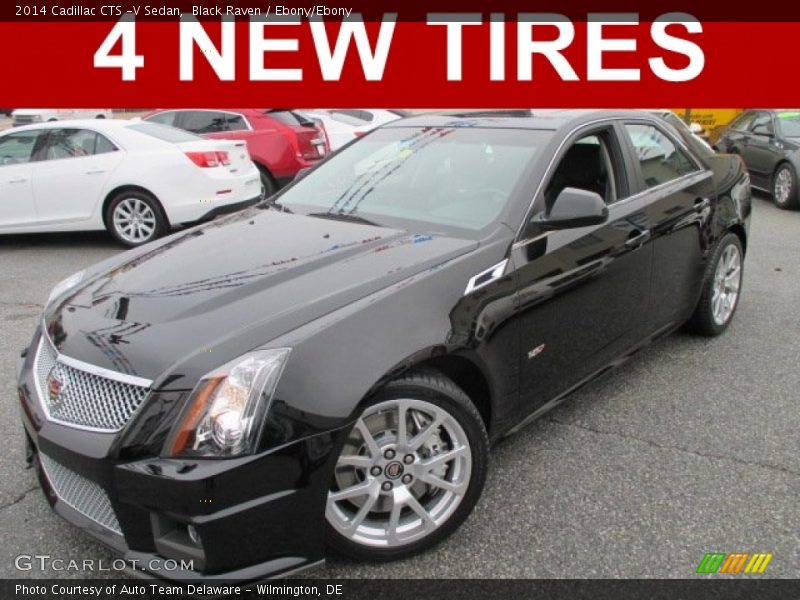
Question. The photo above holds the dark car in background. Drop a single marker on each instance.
(281, 142)
(769, 143)
(330, 367)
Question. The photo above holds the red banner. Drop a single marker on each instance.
(475, 60)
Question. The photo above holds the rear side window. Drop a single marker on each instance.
(789, 123)
(164, 133)
(660, 159)
(164, 118)
(203, 121)
(290, 117)
(18, 148)
(75, 143)
(234, 122)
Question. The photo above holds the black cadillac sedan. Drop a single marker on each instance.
(769, 143)
(329, 369)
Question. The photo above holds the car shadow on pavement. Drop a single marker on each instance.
(88, 239)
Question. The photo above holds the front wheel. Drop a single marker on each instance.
(410, 472)
(784, 187)
(721, 287)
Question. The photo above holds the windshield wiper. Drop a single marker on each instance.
(344, 216)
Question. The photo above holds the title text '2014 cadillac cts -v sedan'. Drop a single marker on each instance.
(329, 368)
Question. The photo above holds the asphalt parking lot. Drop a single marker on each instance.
(691, 447)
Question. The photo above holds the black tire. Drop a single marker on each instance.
(791, 200)
(433, 388)
(100, 117)
(268, 184)
(160, 224)
(703, 320)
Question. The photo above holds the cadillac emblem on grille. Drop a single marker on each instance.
(56, 385)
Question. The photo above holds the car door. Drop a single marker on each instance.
(582, 292)
(735, 137)
(18, 152)
(678, 194)
(70, 180)
(762, 151)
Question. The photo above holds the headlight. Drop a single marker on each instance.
(227, 409)
(65, 285)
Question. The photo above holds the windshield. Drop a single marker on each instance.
(448, 180)
(790, 122)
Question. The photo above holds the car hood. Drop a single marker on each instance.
(232, 285)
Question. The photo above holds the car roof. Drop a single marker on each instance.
(541, 119)
(105, 124)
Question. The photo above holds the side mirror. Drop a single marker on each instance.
(762, 130)
(574, 208)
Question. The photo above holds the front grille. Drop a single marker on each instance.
(83, 495)
(84, 399)
(24, 120)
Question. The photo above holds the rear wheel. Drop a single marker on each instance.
(410, 471)
(784, 187)
(135, 218)
(268, 185)
(721, 287)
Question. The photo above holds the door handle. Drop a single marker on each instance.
(18, 180)
(637, 238)
(95, 172)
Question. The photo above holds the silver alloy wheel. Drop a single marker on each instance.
(402, 473)
(134, 220)
(727, 280)
(783, 185)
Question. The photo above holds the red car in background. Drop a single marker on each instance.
(280, 141)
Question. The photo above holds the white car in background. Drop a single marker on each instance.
(134, 179)
(343, 125)
(29, 116)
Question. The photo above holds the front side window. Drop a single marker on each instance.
(742, 122)
(456, 180)
(762, 124)
(660, 159)
(18, 148)
(75, 143)
(588, 164)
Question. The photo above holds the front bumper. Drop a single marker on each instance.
(257, 517)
